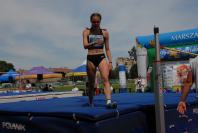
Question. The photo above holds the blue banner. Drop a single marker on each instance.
(178, 38)
(170, 55)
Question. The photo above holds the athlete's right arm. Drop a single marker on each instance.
(85, 41)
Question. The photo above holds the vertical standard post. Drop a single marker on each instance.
(159, 104)
(20, 86)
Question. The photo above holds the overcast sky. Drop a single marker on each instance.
(49, 32)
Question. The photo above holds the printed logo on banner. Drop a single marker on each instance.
(13, 126)
(195, 110)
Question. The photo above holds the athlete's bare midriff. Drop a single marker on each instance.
(95, 51)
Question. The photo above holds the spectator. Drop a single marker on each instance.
(75, 88)
(46, 88)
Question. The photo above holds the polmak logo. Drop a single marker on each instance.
(13, 126)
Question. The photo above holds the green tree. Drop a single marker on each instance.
(5, 67)
(132, 53)
(127, 75)
(114, 73)
(133, 71)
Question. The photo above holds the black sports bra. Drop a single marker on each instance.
(92, 37)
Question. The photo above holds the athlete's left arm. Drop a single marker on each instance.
(187, 85)
(107, 48)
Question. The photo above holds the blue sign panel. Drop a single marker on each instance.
(184, 37)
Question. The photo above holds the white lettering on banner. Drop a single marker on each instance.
(194, 50)
(195, 110)
(13, 126)
(185, 36)
(196, 34)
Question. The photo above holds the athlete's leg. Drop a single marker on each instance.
(91, 72)
(104, 71)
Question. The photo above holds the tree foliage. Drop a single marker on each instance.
(5, 67)
(114, 74)
(132, 53)
(133, 71)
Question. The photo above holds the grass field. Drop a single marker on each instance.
(115, 85)
(81, 86)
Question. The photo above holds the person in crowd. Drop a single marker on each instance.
(75, 88)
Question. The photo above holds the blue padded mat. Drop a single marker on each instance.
(68, 107)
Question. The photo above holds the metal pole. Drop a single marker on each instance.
(20, 81)
(159, 104)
